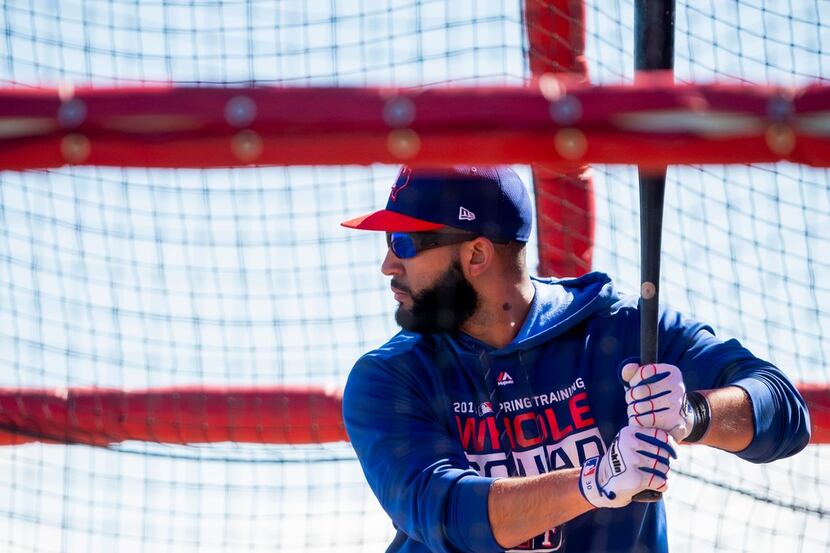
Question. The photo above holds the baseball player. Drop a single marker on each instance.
(511, 412)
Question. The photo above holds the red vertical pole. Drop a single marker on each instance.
(564, 199)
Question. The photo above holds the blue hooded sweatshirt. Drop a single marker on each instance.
(419, 415)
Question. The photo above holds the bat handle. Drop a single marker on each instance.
(654, 50)
(652, 189)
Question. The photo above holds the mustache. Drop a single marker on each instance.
(400, 286)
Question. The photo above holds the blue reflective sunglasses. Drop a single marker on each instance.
(407, 245)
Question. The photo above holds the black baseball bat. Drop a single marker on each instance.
(654, 50)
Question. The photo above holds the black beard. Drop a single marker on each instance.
(443, 307)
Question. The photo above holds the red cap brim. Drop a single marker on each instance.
(390, 221)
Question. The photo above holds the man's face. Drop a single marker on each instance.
(432, 291)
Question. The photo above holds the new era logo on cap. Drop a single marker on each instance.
(465, 214)
(504, 379)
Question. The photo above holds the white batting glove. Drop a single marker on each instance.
(656, 398)
(637, 460)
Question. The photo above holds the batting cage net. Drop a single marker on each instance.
(179, 307)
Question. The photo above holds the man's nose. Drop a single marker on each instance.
(391, 265)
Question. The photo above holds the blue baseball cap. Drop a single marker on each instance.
(490, 201)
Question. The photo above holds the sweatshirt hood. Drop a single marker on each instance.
(558, 305)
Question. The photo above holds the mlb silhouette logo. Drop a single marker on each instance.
(590, 466)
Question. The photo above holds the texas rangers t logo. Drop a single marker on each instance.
(401, 182)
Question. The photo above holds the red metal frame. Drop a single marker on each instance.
(564, 195)
(650, 123)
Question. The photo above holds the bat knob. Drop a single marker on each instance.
(647, 496)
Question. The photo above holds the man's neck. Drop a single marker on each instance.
(501, 315)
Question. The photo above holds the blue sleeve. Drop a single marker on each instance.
(418, 472)
(782, 422)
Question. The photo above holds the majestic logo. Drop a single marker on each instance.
(401, 182)
(504, 379)
(465, 214)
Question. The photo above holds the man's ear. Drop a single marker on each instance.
(479, 255)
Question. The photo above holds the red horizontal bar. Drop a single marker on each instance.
(195, 414)
(817, 396)
(553, 121)
(95, 416)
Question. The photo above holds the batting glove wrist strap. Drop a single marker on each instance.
(589, 484)
(701, 413)
(637, 459)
